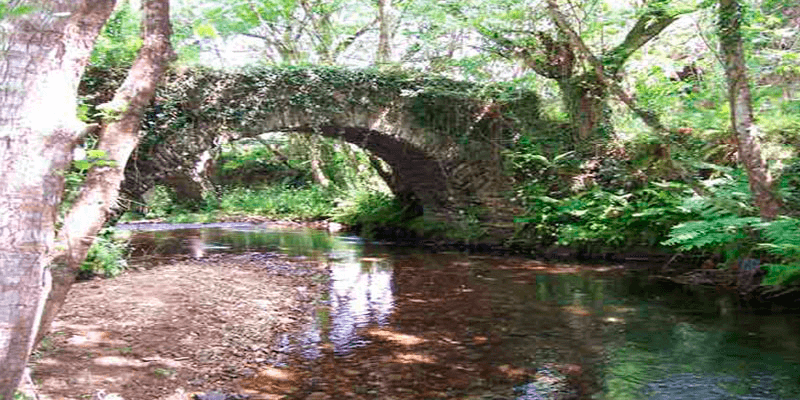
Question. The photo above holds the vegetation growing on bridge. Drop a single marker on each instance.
(242, 101)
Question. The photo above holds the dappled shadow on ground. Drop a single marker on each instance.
(182, 327)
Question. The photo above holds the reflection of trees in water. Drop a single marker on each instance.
(663, 359)
(360, 295)
(627, 335)
(200, 242)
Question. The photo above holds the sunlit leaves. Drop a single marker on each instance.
(8, 10)
(120, 39)
(205, 31)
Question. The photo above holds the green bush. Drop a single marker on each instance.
(160, 203)
(727, 225)
(368, 212)
(782, 241)
(724, 222)
(106, 256)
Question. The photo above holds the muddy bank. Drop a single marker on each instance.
(190, 326)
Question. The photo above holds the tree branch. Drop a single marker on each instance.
(649, 117)
(646, 28)
(347, 42)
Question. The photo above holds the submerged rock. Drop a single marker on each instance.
(220, 396)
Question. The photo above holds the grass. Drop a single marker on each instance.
(276, 202)
(308, 203)
(164, 372)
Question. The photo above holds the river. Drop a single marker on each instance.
(451, 325)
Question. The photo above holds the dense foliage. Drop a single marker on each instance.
(629, 185)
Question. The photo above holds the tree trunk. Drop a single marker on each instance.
(316, 161)
(648, 26)
(585, 101)
(384, 54)
(44, 54)
(118, 138)
(761, 185)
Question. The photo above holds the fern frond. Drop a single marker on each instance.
(709, 233)
(783, 238)
(781, 274)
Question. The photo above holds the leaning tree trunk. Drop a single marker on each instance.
(44, 54)
(761, 185)
(118, 138)
(606, 68)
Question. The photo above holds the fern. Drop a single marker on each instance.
(783, 238)
(728, 196)
(711, 233)
(781, 274)
(726, 220)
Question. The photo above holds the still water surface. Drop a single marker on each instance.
(451, 325)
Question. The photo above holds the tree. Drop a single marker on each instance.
(292, 32)
(45, 51)
(118, 138)
(585, 87)
(384, 54)
(742, 121)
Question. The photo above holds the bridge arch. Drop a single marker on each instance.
(443, 139)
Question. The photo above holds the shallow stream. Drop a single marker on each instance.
(417, 324)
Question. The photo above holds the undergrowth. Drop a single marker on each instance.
(307, 203)
(106, 256)
(600, 219)
(727, 224)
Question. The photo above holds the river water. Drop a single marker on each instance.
(417, 324)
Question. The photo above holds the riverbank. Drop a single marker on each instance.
(170, 329)
(682, 269)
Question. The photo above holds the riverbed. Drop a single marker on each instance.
(367, 320)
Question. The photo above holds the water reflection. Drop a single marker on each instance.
(360, 295)
(451, 325)
(155, 240)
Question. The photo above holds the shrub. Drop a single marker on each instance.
(599, 218)
(368, 212)
(725, 220)
(106, 256)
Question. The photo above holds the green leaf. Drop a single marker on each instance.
(95, 154)
(206, 31)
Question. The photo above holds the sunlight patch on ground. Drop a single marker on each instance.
(88, 338)
(47, 361)
(117, 361)
(398, 338)
(275, 373)
(414, 358)
(61, 326)
(514, 372)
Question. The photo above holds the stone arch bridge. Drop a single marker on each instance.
(443, 139)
